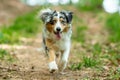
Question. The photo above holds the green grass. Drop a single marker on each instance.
(89, 5)
(24, 26)
(113, 26)
(79, 28)
(90, 62)
(114, 56)
(4, 55)
(96, 50)
(114, 74)
(86, 62)
(76, 66)
(89, 59)
(79, 34)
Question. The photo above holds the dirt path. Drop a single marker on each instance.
(31, 64)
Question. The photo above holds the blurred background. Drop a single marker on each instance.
(95, 41)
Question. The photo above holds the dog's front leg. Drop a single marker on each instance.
(51, 54)
(52, 63)
(64, 57)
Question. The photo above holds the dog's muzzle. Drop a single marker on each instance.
(58, 33)
(58, 29)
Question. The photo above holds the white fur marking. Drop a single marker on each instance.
(58, 24)
(53, 66)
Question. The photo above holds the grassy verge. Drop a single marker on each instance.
(103, 59)
(91, 58)
(79, 28)
(89, 5)
(113, 26)
(79, 34)
(86, 62)
(4, 55)
(24, 26)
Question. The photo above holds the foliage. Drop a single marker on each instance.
(76, 66)
(114, 55)
(79, 28)
(114, 74)
(79, 34)
(4, 55)
(86, 62)
(113, 26)
(24, 26)
(89, 62)
(88, 5)
(96, 50)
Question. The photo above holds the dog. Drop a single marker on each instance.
(57, 33)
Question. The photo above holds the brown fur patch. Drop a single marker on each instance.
(51, 55)
(61, 19)
(51, 44)
(50, 27)
(66, 28)
(51, 52)
(52, 49)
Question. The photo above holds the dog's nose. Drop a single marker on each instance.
(58, 29)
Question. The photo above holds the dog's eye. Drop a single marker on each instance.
(52, 22)
(63, 22)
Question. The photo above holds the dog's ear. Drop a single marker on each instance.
(45, 14)
(68, 15)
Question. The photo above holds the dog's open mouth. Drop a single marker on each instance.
(58, 35)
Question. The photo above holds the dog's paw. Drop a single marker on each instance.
(53, 67)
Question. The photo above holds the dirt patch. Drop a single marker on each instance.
(31, 64)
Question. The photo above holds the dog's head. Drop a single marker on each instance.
(56, 22)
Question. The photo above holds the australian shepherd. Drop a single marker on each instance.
(57, 33)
